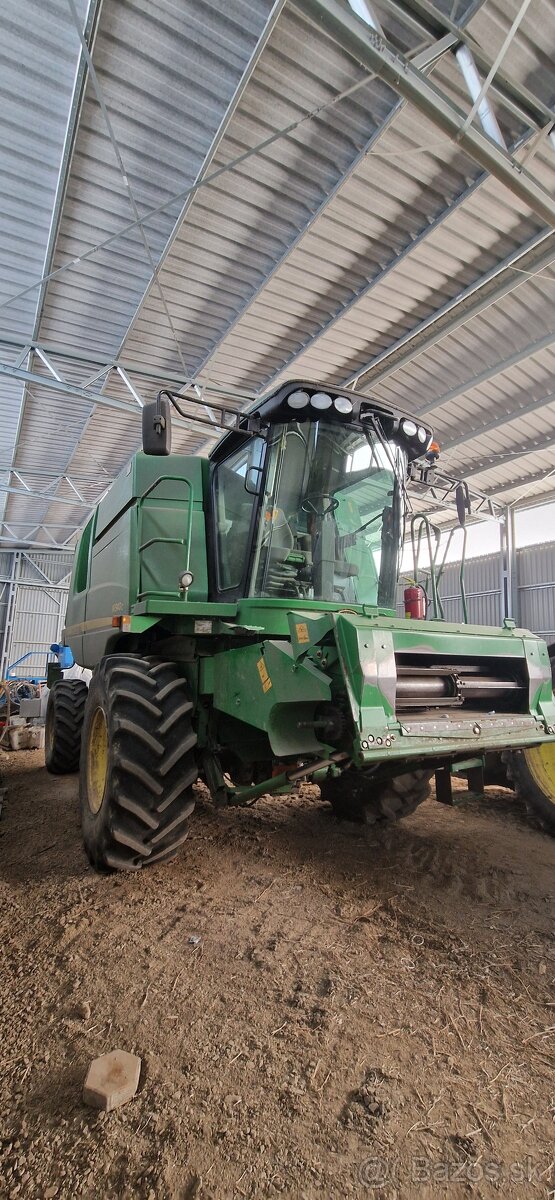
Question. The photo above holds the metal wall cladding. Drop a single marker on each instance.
(6, 570)
(536, 574)
(39, 610)
(56, 567)
(536, 590)
(482, 578)
(38, 622)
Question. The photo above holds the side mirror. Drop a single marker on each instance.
(157, 428)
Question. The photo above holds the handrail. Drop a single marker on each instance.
(426, 525)
(437, 570)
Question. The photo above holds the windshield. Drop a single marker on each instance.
(332, 515)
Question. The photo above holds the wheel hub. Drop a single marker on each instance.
(97, 760)
(540, 761)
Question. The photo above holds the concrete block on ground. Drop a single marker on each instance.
(19, 737)
(112, 1080)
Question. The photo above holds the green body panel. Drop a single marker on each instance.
(138, 549)
(264, 669)
(363, 650)
(255, 684)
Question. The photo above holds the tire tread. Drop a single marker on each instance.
(66, 711)
(144, 815)
(356, 797)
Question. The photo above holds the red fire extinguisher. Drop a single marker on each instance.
(415, 602)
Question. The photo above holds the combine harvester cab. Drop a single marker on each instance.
(239, 615)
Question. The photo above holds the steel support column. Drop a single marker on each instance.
(510, 606)
(12, 597)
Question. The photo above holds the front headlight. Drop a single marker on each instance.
(343, 405)
(298, 400)
(321, 400)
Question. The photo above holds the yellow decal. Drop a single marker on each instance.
(302, 632)
(264, 677)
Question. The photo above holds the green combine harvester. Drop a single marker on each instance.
(239, 615)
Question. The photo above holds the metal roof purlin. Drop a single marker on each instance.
(524, 481)
(504, 419)
(378, 133)
(394, 68)
(29, 472)
(372, 283)
(433, 322)
(17, 542)
(217, 173)
(527, 500)
(431, 57)
(261, 44)
(88, 358)
(490, 373)
(49, 496)
(78, 393)
(99, 93)
(519, 100)
(17, 539)
(500, 460)
(68, 389)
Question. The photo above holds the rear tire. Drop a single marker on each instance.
(531, 774)
(138, 763)
(356, 797)
(65, 712)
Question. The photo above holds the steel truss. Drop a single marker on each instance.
(370, 49)
(52, 357)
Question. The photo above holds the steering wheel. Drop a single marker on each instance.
(308, 506)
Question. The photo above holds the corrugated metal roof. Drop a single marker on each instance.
(38, 64)
(316, 256)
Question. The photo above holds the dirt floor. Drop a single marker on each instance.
(363, 1015)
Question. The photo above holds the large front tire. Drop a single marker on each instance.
(65, 712)
(356, 797)
(138, 763)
